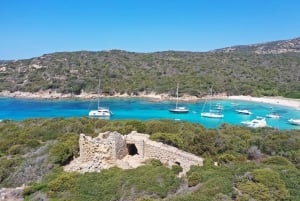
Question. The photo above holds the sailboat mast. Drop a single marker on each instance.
(99, 94)
(210, 96)
(177, 94)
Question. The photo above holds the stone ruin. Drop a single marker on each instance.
(111, 149)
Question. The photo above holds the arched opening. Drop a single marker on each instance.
(177, 163)
(132, 150)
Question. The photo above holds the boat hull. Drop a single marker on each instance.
(100, 113)
(212, 115)
(179, 111)
(294, 121)
(256, 123)
(246, 112)
(273, 116)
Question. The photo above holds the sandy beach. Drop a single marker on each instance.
(294, 103)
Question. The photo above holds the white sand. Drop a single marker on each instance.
(294, 103)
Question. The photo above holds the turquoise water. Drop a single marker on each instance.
(19, 109)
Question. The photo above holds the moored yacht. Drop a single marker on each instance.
(294, 121)
(255, 123)
(219, 107)
(247, 112)
(211, 113)
(178, 109)
(101, 111)
(273, 116)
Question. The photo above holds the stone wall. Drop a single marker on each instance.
(129, 151)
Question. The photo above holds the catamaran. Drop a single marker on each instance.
(178, 109)
(101, 111)
(211, 113)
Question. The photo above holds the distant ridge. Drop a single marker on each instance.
(266, 69)
(274, 47)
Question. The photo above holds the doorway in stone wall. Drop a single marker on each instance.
(132, 150)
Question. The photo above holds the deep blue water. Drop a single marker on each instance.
(142, 109)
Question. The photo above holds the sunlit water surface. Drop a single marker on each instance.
(143, 109)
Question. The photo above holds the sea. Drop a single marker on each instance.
(145, 109)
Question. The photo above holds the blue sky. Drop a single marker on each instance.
(30, 28)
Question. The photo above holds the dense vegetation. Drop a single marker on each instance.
(235, 73)
(253, 164)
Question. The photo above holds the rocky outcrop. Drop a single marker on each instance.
(275, 47)
(11, 194)
(129, 151)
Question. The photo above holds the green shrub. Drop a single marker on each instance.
(154, 162)
(277, 161)
(176, 169)
(65, 149)
(7, 167)
(34, 188)
(15, 149)
(225, 158)
(147, 199)
(137, 125)
(193, 179)
(263, 184)
(64, 182)
(168, 138)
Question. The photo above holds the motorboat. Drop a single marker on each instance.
(247, 112)
(273, 116)
(255, 123)
(100, 111)
(294, 121)
(178, 109)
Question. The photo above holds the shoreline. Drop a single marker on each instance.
(52, 95)
(278, 100)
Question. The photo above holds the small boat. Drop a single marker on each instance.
(273, 116)
(247, 112)
(100, 111)
(219, 107)
(234, 104)
(178, 109)
(255, 123)
(211, 113)
(294, 121)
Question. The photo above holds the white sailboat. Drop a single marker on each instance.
(211, 113)
(178, 109)
(101, 111)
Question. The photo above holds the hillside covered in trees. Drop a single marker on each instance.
(253, 164)
(249, 70)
